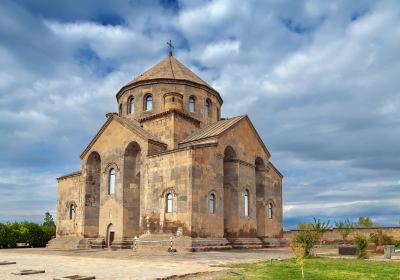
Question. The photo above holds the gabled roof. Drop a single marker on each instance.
(217, 129)
(130, 124)
(270, 164)
(212, 130)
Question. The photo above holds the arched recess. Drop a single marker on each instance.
(92, 195)
(259, 179)
(230, 193)
(110, 235)
(131, 189)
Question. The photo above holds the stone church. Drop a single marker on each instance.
(168, 165)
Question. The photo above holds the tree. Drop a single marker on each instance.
(366, 222)
(361, 242)
(344, 227)
(48, 220)
(320, 227)
(299, 252)
(309, 234)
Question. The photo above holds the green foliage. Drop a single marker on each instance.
(321, 227)
(373, 237)
(25, 232)
(366, 222)
(309, 234)
(316, 268)
(344, 227)
(307, 238)
(388, 240)
(48, 220)
(397, 244)
(362, 243)
(299, 253)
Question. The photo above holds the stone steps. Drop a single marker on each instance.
(210, 244)
(246, 243)
(274, 242)
(67, 243)
(162, 242)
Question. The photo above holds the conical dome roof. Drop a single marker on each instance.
(169, 68)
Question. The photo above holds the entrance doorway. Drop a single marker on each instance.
(110, 235)
(111, 238)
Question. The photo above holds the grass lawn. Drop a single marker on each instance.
(317, 269)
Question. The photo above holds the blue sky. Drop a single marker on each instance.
(319, 79)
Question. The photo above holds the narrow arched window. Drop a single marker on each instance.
(218, 117)
(149, 103)
(111, 181)
(72, 212)
(212, 203)
(131, 105)
(270, 210)
(191, 104)
(120, 109)
(246, 203)
(169, 203)
(207, 108)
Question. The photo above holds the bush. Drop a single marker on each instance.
(388, 240)
(25, 232)
(397, 244)
(307, 238)
(373, 237)
(361, 242)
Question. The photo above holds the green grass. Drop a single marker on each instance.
(317, 269)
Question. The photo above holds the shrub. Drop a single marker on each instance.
(307, 238)
(25, 232)
(373, 237)
(361, 242)
(388, 240)
(397, 244)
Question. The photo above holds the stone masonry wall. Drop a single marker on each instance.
(69, 191)
(333, 236)
(159, 90)
(168, 172)
(207, 179)
(111, 146)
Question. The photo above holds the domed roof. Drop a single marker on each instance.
(169, 68)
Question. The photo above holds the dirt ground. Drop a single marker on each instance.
(126, 264)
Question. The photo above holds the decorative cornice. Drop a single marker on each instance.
(172, 111)
(73, 174)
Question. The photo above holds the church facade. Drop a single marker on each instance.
(167, 165)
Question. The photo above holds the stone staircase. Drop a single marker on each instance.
(70, 242)
(210, 244)
(161, 242)
(274, 242)
(246, 243)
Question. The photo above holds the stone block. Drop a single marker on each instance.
(347, 250)
(27, 272)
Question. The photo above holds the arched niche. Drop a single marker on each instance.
(92, 195)
(259, 179)
(230, 195)
(131, 189)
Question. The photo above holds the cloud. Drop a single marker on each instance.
(319, 81)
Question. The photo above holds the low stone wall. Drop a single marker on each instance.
(334, 236)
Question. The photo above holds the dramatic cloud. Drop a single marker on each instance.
(319, 80)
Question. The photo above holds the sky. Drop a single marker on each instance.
(320, 80)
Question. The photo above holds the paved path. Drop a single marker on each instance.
(124, 264)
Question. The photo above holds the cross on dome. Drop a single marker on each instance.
(170, 47)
